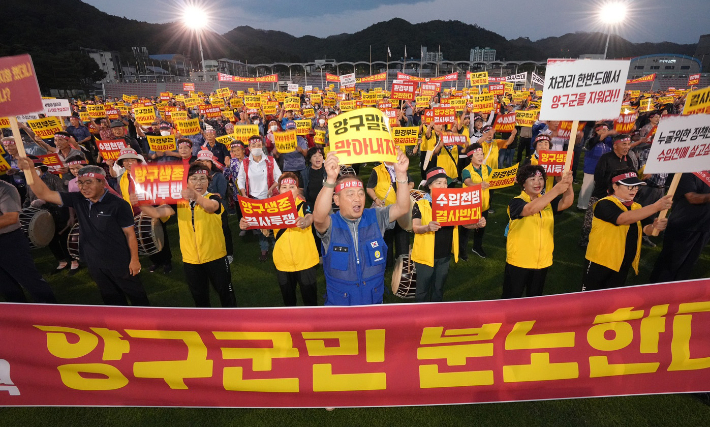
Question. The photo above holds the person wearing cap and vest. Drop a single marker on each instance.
(618, 225)
(476, 173)
(108, 241)
(433, 244)
(541, 143)
(218, 185)
(530, 241)
(491, 147)
(204, 253)
(382, 189)
(295, 253)
(446, 156)
(619, 158)
(354, 256)
(231, 172)
(257, 179)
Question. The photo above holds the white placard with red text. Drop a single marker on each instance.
(681, 144)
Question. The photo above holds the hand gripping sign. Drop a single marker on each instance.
(362, 136)
(159, 183)
(274, 212)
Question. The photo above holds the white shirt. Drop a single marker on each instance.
(258, 187)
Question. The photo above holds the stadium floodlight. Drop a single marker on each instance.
(196, 19)
(611, 14)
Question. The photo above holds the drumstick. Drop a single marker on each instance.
(427, 158)
(20, 146)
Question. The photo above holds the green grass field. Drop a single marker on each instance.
(476, 279)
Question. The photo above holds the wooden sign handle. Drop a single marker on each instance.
(671, 192)
(427, 159)
(570, 146)
(29, 176)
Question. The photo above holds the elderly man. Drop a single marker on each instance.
(219, 151)
(119, 132)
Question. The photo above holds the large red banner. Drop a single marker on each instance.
(271, 78)
(635, 340)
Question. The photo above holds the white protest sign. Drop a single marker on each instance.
(681, 144)
(309, 88)
(56, 107)
(32, 116)
(521, 77)
(583, 89)
(347, 80)
(537, 80)
(292, 87)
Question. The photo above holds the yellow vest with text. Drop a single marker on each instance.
(477, 179)
(448, 163)
(530, 240)
(203, 242)
(384, 190)
(490, 152)
(607, 241)
(423, 248)
(549, 181)
(295, 249)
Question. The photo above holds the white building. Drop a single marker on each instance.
(109, 62)
(485, 54)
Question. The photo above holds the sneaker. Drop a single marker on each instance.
(463, 256)
(167, 268)
(73, 271)
(263, 257)
(491, 211)
(479, 251)
(648, 242)
(152, 268)
(230, 259)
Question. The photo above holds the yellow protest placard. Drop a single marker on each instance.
(84, 116)
(46, 128)
(458, 104)
(509, 87)
(162, 143)
(243, 132)
(697, 102)
(192, 102)
(178, 115)
(223, 92)
(270, 107)
(292, 103)
(520, 96)
(188, 127)
(361, 136)
(309, 113)
(319, 137)
(96, 111)
(422, 100)
(236, 102)
(240, 93)
(228, 114)
(665, 100)
(538, 93)
(285, 142)
(405, 136)
(252, 101)
(280, 96)
(226, 139)
(347, 105)
(4, 166)
(329, 102)
(477, 79)
(646, 105)
(369, 98)
(217, 102)
(526, 118)
(316, 98)
(303, 127)
(634, 93)
(144, 115)
(501, 178)
(4, 124)
(483, 103)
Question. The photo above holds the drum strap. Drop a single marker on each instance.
(283, 230)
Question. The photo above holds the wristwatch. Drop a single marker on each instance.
(328, 185)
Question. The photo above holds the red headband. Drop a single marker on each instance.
(351, 183)
(622, 140)
(76, 162)
(93, 175)
(185, 143)
(289, 181)
(435, 172)
(201, 172)
(623, 177)
(472, 152)
(9, 142)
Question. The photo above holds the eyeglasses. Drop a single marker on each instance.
(198, 178)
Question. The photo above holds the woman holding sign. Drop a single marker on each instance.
(204, 253)
(617, 229)
(541, 143)
(530, 240)
(433, 244)
(476, 173)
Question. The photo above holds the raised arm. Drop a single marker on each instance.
(324, 201)
(38, 186)
(402, 205)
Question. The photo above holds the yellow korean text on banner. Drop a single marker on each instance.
(236, 103)
(422, 100)
(483, 103)
(285, 142)
(458, 104)
(369, 98)
(319, 137)
(303, 127)
(501, 178)
(477, 79)
(526, 118)
(244, 132)
(144, 115)
(4, 124)
(292, 103)
(4, 166)
(192, 102)
(178, 115)
(646, 105)
(226, 139)
(361, 136)
(405, 136)
(96, 111)
(316, 98)
(309, 113)
(46, 128)
(188, 127)
(269, 107)
(84, 116)
(347, 105)
(162, 143)
(252, 101)
(697, 102)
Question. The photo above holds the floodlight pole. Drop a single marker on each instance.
(202, 55)
(608, 35)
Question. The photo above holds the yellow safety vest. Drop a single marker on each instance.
(428, 144)
(448, 163)
(204, 241)
(549, 181)
(295, 248)
(124, 185)
(607, 241)
(384, 189)
(477, 179)
(530, 240)
(423, 248)
(490, 153)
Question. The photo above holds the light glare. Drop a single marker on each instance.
(194, 18)
(612, 13)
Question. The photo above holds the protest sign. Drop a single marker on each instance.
(57, 107)
(113, 114)
(444, 115)
(292, 87)
(697, 102)
(584, 89)
(285, 142)
(272, 213)
(704, 176)
(347, 106)
(361, 136)
(270, 107)
(178, 115)
(303, 127)
(159, 183)
(458, 104)
(210, 111)
(46, 128)
(483, 103)
(693, 79)
(625, 122)
(192, 102)
(188, 127)
(681, 144)
(308, 113)
(520, 77)
(496, 89)
(644, 79)
(477, 79)
(292, 103)
(501, 178)
(162, 143)
(505, 123)
(369, 99)
(84, 116)
(500, 79)
(19, 91)
(188, 87)
(347, 80)
(270, 78)
(244, 132)
(391, 115)
(217, 102)
(110, 149)
(646, 105)
(316, 98)
(552, 161)
(226, 139)
(405, 135)
(4, 166)
(252, 101)
(453, 139)
(96, 111)
(404, 91)
(144, 115)
(165, 96)
(236, 102)
(308, 88)
(526, 118)
(456, 206)
(535, 79)
(430, 89)
(4, 124)
(53, 162)
(319, 137)
(421, 101)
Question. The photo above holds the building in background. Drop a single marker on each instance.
(702, 52)
(108, 61)
(665, 66)
(485, 54)
(431, 56)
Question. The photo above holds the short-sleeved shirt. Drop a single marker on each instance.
(294, 161)
(9, 202)
(101, 224)
(608, 211)
(685, 215)
(219, 151)
(517, 205)
(383, 221)
(443, 238)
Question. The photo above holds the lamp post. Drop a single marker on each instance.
(196, 19)
(611, 14)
